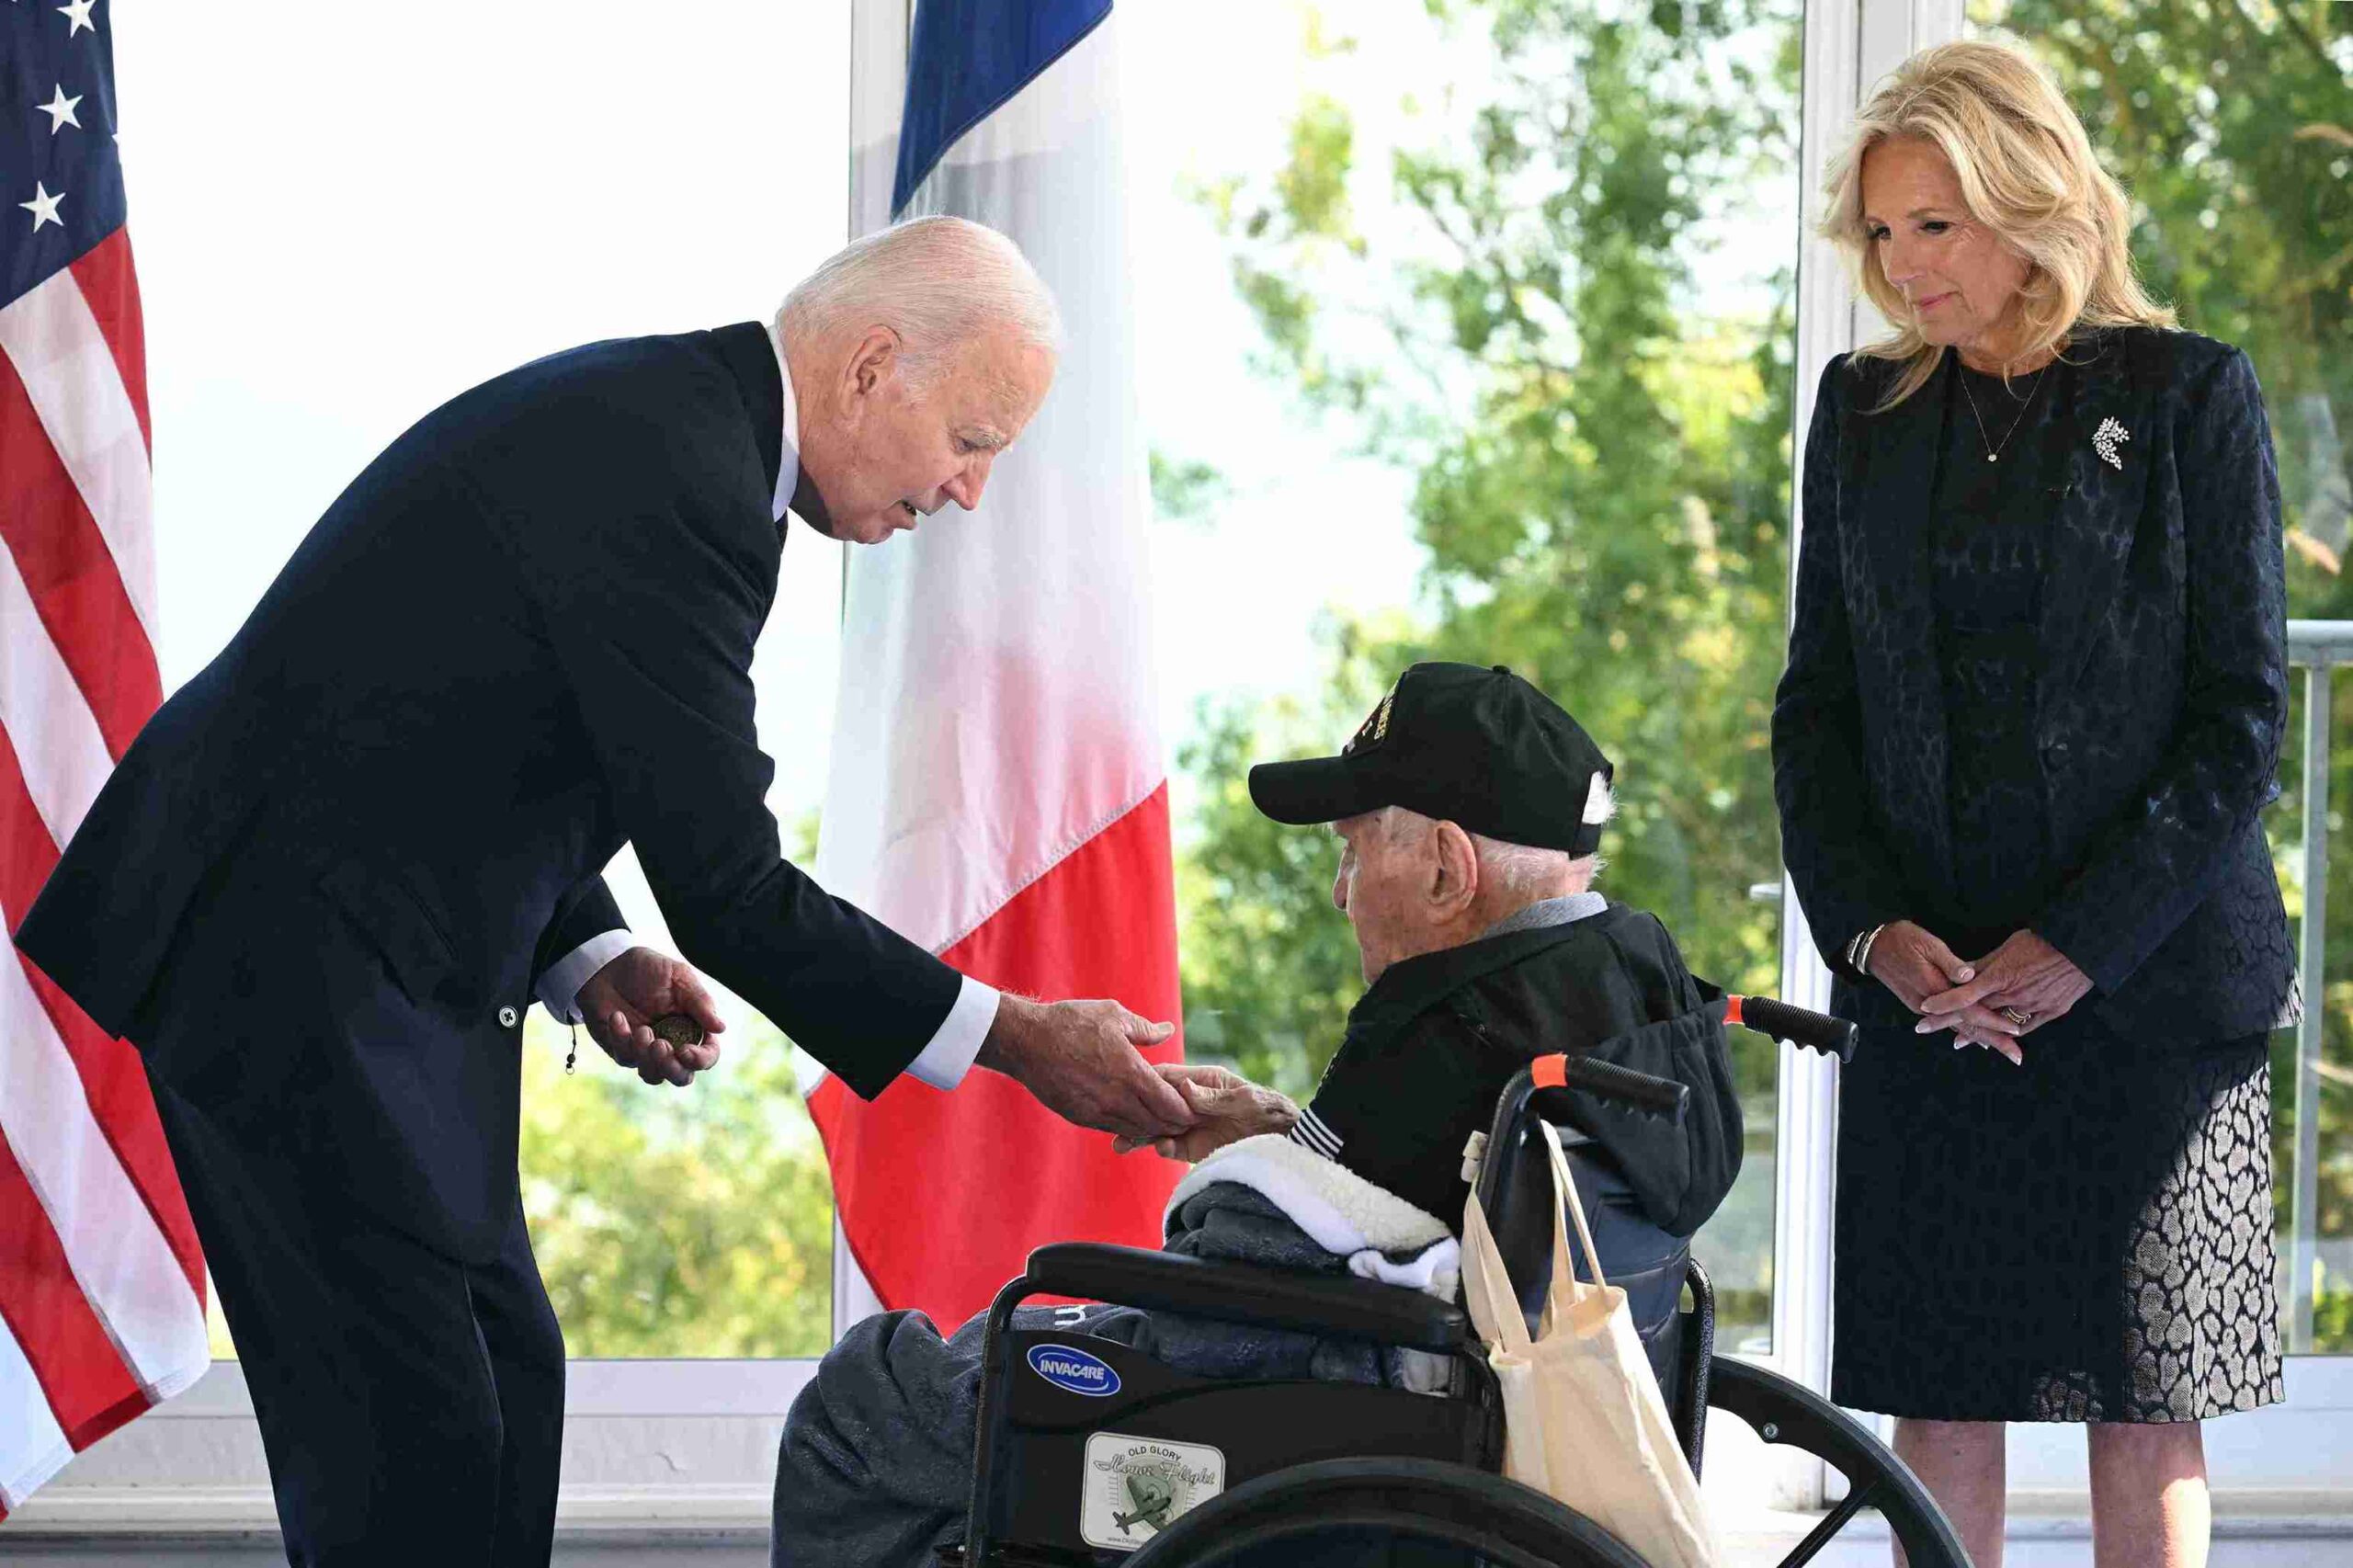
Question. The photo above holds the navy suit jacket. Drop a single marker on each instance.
(2159, 705)
(319, 889)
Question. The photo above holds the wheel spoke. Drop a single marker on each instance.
(1785, 1413)
(1832, 1523)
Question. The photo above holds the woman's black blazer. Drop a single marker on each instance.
(2159, 704)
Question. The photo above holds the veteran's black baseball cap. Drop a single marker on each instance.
(1476, 747)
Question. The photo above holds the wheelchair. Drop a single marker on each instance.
(1090, 1452)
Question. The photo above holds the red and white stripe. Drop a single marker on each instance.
(101, 1282)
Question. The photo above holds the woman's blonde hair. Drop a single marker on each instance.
(2027, 172)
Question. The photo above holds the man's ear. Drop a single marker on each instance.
(872, 365)
(1454, 876)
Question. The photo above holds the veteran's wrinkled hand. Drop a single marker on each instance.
(1227, 1107)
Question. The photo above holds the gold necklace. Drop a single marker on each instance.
(1993, 451)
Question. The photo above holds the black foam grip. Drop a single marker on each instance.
(1632, 1090)
(1799, 1026)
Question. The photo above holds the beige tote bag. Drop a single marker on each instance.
(1583, 1422)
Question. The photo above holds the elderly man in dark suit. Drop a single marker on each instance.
(336, 866)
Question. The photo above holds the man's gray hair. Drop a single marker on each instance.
(1526, 870)
(937, 282)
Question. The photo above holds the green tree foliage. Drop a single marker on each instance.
(2231, 126)
(1601, 439)
(1184, 490)
(1601, 447)
(667, 1222)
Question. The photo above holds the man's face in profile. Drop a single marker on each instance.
(1377, 885)
(900, 447)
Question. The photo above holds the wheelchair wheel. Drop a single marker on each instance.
(1384, 1511)
(1782, 1411)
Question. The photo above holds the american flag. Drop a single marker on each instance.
(101, 1284)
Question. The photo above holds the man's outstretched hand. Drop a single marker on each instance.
(1229, 1107)
(1081, 1060)
(619, 1003)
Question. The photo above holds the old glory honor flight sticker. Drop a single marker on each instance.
(1136, 1486)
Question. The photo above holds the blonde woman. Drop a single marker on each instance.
(2033, 706)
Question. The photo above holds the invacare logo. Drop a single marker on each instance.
(1073, 1370)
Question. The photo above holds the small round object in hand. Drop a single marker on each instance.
(2016, 1017)
(678, 1031)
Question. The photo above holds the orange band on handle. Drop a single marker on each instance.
(1549, 1072)
(1732, 1008)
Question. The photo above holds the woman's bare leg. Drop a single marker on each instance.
(1965, 1466)
(2150, 1508)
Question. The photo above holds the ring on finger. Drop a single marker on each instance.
(2016, 1015)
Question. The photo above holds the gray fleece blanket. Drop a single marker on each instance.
(876, 1466)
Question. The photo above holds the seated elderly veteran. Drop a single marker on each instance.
(1470, 808)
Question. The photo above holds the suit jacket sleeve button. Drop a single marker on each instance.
(506, 1017)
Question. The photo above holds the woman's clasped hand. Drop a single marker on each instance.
(2012, 990)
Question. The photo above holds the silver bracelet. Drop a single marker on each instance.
(1863, 954)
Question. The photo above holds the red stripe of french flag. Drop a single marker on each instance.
(941, 1196)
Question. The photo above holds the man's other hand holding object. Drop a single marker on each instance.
(633, 1007)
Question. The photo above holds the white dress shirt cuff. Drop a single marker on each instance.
(559, 987)
(948, 1057)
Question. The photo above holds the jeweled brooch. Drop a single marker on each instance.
(2106, 439)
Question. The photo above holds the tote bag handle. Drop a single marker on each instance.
(1486, 1284)
(1565, 1201)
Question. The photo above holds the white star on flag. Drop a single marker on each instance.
(60, 110)
(43, 206)
(77, 13)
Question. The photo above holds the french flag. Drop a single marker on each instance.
(997, 789)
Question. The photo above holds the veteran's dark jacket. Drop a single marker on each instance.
(320, 888)
(1432, 1043)
(2159, 707)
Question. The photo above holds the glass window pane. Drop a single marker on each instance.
(2231, 127)
(1472, 338)
(666, 1222)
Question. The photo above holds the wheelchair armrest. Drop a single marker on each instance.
(1248, 1294)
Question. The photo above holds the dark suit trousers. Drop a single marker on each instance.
(409, 1404)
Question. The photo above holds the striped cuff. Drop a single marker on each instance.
(1312, 1131)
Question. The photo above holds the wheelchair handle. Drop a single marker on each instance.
(1815, 1031)
(1635, 1091)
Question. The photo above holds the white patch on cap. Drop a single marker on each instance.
(1601, 805)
